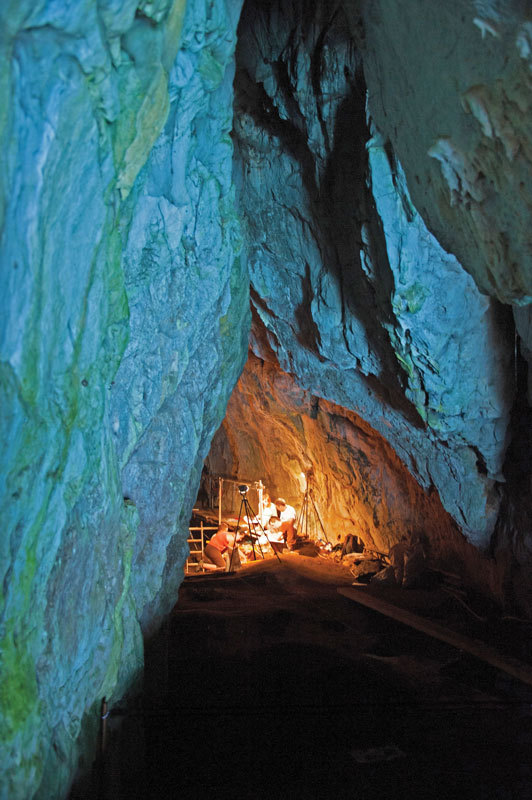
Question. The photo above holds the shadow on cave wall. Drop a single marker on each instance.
(337, 191)
(512, 538)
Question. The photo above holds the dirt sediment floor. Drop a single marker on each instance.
(276, 686)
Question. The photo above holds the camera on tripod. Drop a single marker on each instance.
(252, 524)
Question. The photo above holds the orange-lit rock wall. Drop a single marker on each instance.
(274, 431)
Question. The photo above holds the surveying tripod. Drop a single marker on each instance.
(253, 524)
(305, 523)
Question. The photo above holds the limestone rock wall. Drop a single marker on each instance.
(456, 107)
(360, 302)
(123, 329)
(278, 432)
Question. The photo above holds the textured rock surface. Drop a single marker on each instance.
(360, 301)
(463, 97)
(125, 314)
(456, 108)
(123, 328)
(275, 431)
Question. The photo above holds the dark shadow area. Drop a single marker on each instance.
(337, 191)
(511, 540)
(308, 332)
(116, 740)
(277, 688)
(269, 684)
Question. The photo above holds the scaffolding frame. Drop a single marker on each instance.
(196, 554)
(257, 485)
(195, 560)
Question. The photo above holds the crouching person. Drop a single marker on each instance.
(221, 549)
(287, 515)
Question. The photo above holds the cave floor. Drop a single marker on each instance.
(269, 684)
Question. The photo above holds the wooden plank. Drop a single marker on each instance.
(205, 528)
(512, 666)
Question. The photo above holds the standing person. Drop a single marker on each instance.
(219, 549)
(287, 515)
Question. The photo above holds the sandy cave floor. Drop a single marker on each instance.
(276, 686)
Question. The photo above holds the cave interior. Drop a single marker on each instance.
(260, 240)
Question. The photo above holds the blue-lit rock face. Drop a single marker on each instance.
(457, 111)
(459, 80)
(124, 326)
(359, 300)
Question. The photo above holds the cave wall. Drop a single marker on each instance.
(123, 330)
(278, 432)
(372, 178)
(360, 301)
(456, 107)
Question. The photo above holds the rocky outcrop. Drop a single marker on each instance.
(359, 300)
(123, 329)
(456, 107)
(279, 433)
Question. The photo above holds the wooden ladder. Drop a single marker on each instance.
(195, 562)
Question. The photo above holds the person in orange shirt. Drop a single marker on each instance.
(219, 549)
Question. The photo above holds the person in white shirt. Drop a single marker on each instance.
(268, 510)
(287, 515)
(262, 520)
(271, 525)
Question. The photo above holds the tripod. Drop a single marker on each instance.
(306, 522)
(253, 524)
